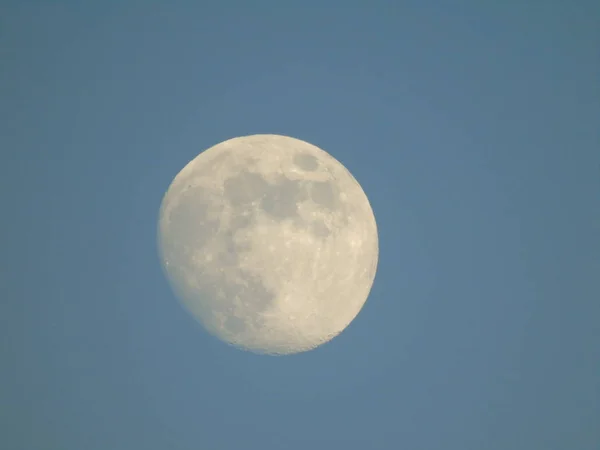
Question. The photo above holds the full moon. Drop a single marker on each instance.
(269, 242)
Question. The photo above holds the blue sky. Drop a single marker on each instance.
(474, 128)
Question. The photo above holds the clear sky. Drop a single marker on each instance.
(473, 128)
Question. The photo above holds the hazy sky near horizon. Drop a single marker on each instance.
(474, 129)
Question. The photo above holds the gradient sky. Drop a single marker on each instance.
(473, 128)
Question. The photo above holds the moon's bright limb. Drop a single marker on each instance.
(269, 242)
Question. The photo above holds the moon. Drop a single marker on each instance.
(269, 242)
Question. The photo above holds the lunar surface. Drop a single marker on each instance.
(269, 242)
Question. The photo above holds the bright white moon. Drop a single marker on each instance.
(269, 242)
